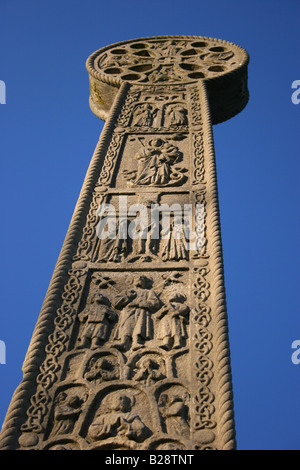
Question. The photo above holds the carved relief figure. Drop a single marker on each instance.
(119, 420)
(144, 115)
(164, 73)
(155, 162)
(147, 247)
(217, 57)
(67, 408)
(150, 370)
(172, 331)
(169, 49)
(96, 319)
(173, 406)
(135, 323)
(174, 243)
(113, 249)
(116, 60)
(176, 115)
(102, 369)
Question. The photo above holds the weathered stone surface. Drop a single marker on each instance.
(131, 347)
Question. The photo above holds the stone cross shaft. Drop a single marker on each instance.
(131, 350)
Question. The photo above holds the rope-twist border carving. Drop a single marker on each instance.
(16, 414)
(226, 427)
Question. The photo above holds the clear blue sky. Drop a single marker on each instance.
(47, 137)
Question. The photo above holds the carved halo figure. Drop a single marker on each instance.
(119, 420)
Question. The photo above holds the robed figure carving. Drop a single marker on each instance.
(135, 323)
(119, 420)
(96, 318)
(155, 162)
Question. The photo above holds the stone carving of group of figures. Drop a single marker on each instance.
(173, 245)
(139, 309)
(147, 370)
(122, 415)
(175, 114)
(120, 418)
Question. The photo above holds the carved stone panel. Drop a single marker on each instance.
(131, 348)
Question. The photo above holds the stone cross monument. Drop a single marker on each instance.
(131, 351)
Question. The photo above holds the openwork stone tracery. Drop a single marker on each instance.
(131, 348)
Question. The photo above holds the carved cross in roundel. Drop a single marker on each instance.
(172, 60)
(168, 60)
